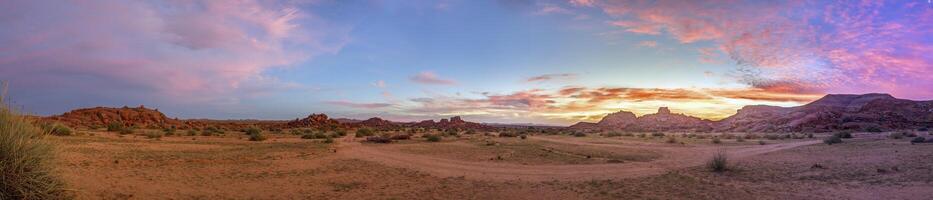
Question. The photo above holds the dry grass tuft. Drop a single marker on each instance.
(26, 168)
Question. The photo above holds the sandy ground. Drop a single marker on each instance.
(107, 166)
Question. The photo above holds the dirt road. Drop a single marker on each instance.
(674, 157)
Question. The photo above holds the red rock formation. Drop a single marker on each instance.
(102, 116)
(313, 121)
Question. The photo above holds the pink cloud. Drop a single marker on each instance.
(583, 3)
(197, 50)
(358, 105)
(431, 79)
(839, 47)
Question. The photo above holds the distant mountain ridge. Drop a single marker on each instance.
(830, 113)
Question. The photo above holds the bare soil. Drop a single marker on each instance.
(108, 166)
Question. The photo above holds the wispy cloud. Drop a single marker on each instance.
(548, 77)
(648, 43)
(351, 104)
(432, 79)
(379, 84)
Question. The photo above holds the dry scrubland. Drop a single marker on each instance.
(144, 164)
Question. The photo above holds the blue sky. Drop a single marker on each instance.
(415, 60)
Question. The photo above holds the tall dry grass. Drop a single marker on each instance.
(26, 168)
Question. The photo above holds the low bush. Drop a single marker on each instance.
(365, 132)
(115, 126)
(918, 140)
(740, 139)
(834, 139)
(341, 132)
(924, 129)
(671, 140)
(772, 137)
(295, 132)
(433, 138)
(579, 134)
(874, 129)
(329, 140)
(378, 139)
(191, 132)
(253, 131)
(896, 136)
(716, 141)
(402, 136)
(58, 129)
(613, 134)
(151, 134)
(719, 163)
(126, 131)
(257, 137)
(761, 142)
(657, 134)
(523, 136)
(843, 134)
(508, 134)
(307, 136)
(169, 131)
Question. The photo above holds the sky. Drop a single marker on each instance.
(551, 62)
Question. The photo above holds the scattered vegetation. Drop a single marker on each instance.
(657, 134)
(402, 136)
(834, 139)
(258, 136)
(433, 138)
(253, 131)
(378, 139)
(115, 126)
(761, 142)
(365, 132)
(579, 134)
(329, 140)
(716, 140)
(843, 134)
(918, 140)
(191, 132)
(671, 140)
(26, 169)
(874, 129)
(896, 136)
(56, 129)
(613, 134)
(151, 134)
(719, 163)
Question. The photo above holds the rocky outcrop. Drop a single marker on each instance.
(313, 121)
(834, 112)
(452, 123)
(102, 116)
(830, 113)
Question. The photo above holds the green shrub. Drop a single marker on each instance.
(362, 132)
(523, 136)
(191, 132)
(115, 126)
(59, 130)
(257, 137)
(307, 136)
(433, 138)
(378, 139)
(579, 134)
(657, 134)
(403, 136)
(153, 134)
(772, 137)
(719, 163)
(169, 131)
(874, 129)
(253, 131)
(716, 141)
(295, 132)
(329, 140)
(341, 132)
(26, 160)
(834, 139)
